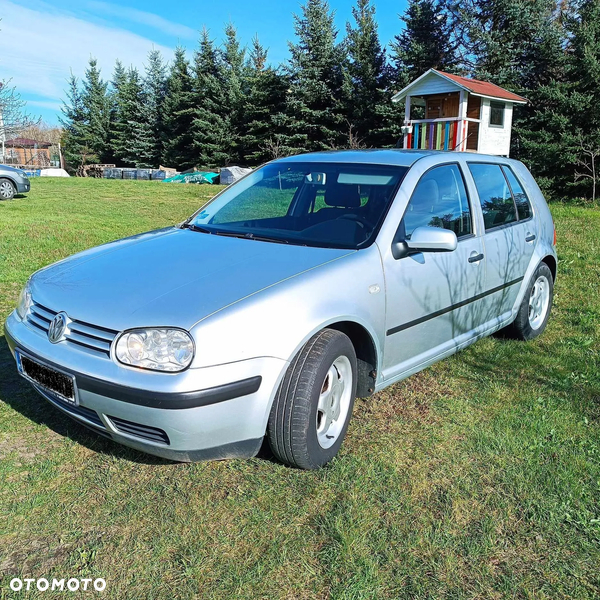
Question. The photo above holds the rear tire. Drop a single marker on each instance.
(532, 316)
(313, 406)
(7, 189)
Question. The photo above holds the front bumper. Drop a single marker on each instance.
(23, 186)
(199, 414)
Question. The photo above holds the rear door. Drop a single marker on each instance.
(510, 234)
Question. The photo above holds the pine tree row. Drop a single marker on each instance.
(227, 105)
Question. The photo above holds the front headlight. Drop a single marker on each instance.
(156, 349)
(24, 301)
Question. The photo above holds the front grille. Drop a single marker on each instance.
(153, 434)
(78, 412)
(91, 337)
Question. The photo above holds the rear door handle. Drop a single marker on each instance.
(475, 258)
(530, 237)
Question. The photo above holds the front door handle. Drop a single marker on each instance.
(530, 237)
(475, 258)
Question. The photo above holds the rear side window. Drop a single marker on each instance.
(495, 196)
(439, 200)
(521, 200)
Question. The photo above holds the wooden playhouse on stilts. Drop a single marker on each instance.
(457, 113)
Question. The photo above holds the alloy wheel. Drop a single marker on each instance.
(539, 301)
(334, 402)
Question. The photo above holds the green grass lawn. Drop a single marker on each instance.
(478, 478)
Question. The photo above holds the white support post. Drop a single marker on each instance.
(406, 118)
(462, 124)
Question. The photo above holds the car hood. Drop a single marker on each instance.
(170, 277)
(11, 169)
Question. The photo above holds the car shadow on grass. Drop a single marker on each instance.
(20, 396)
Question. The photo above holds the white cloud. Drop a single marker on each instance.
(40, 46)
(55, 106)
(143, 18)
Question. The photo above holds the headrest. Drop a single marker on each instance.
(342, 196)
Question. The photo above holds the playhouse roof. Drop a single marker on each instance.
(473, 86)
(20, 142)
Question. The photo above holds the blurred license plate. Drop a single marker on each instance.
(50, 379)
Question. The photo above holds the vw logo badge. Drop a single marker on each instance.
(57, 327)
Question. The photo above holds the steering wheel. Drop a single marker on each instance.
(362, 222)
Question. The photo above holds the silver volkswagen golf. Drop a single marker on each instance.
(315, 279)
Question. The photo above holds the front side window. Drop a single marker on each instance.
(439, 200)
(494, 194)
(497, 114)
(334, 205)
(521, 199)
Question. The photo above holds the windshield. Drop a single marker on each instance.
(314, 204)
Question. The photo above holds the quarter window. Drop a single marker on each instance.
(521, 200)
(495, 196)
(439, 200)
(497, 114)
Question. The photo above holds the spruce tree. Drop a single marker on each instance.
(179, 112)
(96, 106)
(368, 99)
(155, 83)
(584, 63)
(86, 119)
(76, 144)
(211, 126)
(519, 45)
(315, 107)
(234, 76)
(119, 79)
(513, 43)
(539, 127)
(582, 139)
(263, 132)
(133, 142)
(427, 41)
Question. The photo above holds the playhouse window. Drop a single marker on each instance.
(497, 114)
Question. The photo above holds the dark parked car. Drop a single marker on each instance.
(12, 181)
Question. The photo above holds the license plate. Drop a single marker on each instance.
(48, 378)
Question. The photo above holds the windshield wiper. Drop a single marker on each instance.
(198, 228)
(250, 236)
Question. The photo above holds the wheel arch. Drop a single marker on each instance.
(366, 355)
(9, 178)
(552, 264)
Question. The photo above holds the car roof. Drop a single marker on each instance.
(393, 156)
(399, 157)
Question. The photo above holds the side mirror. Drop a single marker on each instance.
(426, 239)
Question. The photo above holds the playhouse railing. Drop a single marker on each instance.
(438, 134)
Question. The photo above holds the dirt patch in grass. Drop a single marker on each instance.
(42, 555)
(27, 449)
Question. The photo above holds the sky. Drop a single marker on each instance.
(42, 43)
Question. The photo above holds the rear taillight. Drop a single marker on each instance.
(554, 241)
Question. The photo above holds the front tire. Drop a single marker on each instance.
(7, 189)
(532, 316)
(313, 406)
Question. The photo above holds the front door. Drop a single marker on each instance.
(432, 303)
(434, 107)
(510, 235)
(450, 106)
(439, 107)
